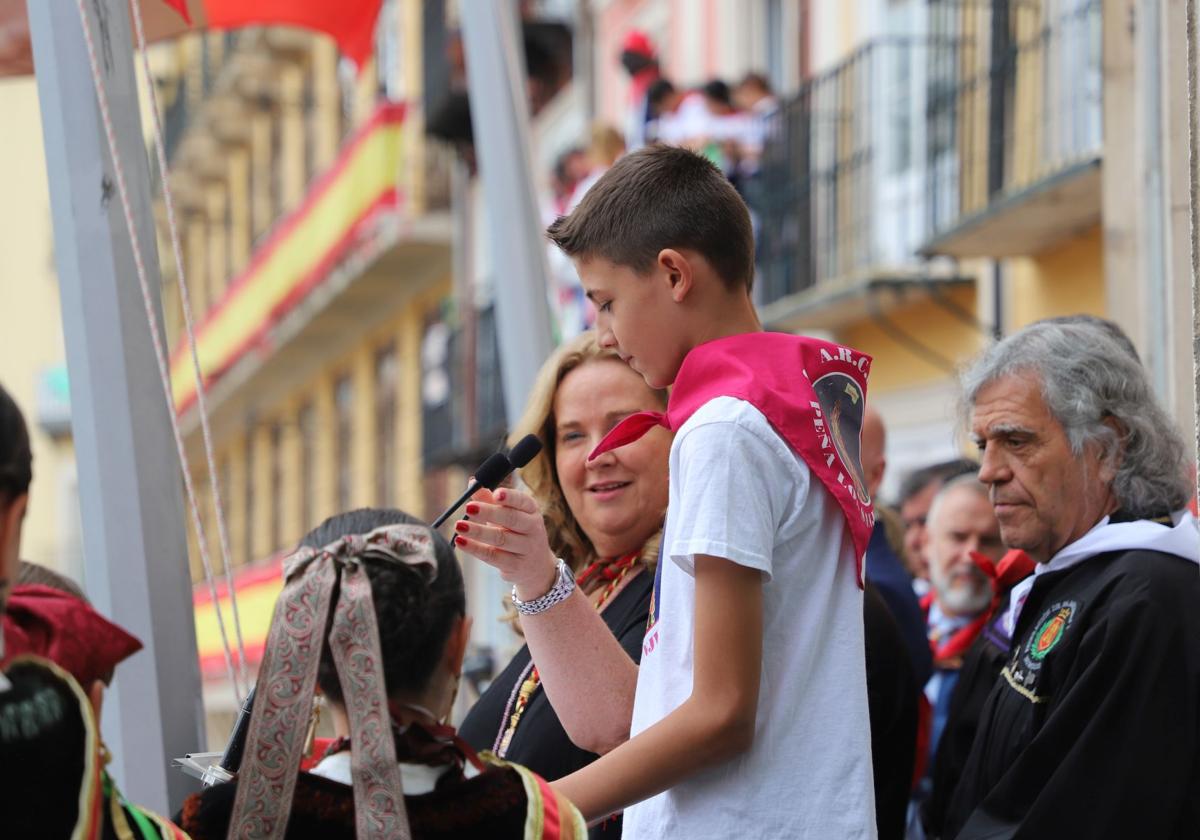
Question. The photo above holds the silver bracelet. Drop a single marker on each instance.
(564, 585)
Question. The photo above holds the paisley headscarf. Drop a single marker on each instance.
(288, 677)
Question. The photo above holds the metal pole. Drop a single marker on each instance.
(134, 546)
(1152, 235)
(1193, 83)
(500, 121)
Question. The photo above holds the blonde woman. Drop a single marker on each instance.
(604, 519)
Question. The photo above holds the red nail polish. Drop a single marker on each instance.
(460, 541)
(461, 527)
(472, 509)
(501, 496)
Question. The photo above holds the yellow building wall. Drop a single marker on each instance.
(31, 337)
(895, 365)
(403, 333)
(1065, 280)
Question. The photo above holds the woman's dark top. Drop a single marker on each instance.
(540, 742)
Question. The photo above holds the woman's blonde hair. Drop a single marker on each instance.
(606, 144)
(567, 538)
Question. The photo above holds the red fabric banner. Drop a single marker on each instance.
(351, 23)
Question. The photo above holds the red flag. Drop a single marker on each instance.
(181, 7)
(351, 23)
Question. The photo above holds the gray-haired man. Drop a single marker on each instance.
(1093, 728)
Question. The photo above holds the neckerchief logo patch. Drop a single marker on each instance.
(841, 419)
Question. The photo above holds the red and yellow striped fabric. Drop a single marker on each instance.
(300, 253)
(549, 815)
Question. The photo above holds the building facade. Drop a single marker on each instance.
(950, 172)
(315, 237)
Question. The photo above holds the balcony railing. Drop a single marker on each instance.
(1015, 108)
(840, 193)
(194, 84)
(462, 397)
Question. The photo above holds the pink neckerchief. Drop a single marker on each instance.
(812, 392)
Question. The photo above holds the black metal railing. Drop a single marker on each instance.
(194, 83)
(839, 191)
(1015, 100)
(462, 397)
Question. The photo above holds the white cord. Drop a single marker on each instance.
(185, 299)
(155, 336)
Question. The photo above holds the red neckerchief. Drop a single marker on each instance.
(1013, 567)
(66, 630)
(812, 392)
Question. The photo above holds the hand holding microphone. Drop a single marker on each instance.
(506, 531)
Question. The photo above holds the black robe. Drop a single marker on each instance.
(892, 704)
(1093, 728)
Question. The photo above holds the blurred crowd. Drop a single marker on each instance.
(726, 121)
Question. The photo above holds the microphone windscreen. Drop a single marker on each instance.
(492, 471)
(525, 451)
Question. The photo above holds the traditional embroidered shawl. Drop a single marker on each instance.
(501, 801)
(53, 756)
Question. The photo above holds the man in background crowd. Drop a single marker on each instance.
(916, 495)
(640, 60)
(960, 524)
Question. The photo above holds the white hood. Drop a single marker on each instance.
(1182, 540)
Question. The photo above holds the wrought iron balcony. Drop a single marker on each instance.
(840, 196)
(1015, 133)
(462, 398)
(194, 84)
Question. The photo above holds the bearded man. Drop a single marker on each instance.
(961, 525)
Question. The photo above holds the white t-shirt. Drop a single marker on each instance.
(738, 491)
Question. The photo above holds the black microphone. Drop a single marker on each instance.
(231, 759)
(490, 473)
(494, 470)
(525, 451)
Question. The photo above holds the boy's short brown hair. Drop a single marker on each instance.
(661, 197)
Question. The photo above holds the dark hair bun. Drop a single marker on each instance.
(414, 617)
